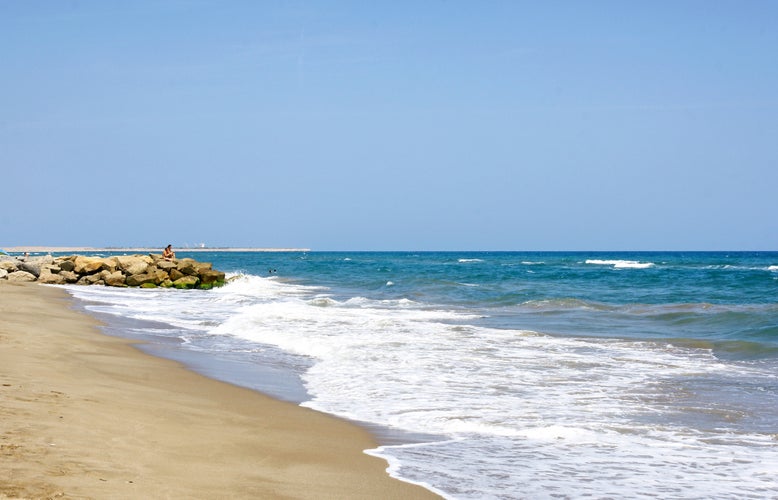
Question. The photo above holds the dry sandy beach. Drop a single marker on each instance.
(86, 415)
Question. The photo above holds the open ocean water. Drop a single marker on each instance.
(515, 375)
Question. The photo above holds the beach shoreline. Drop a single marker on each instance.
(89, 415)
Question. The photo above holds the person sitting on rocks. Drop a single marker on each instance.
(168, 253)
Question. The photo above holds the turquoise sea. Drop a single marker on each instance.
(503, 374)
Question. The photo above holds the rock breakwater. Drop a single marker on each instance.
(145, 271)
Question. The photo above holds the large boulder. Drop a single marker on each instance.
(175, 274)
(31, 267)
(133, 264)
(66, 264)
(49, 278)
(139, 279)
(115, 279)
(87, 265)
(166, 265)
(186, 282)
(52, 268)
(156, 257)
(187, 266)
(124, 262)
(3, 273)
(138, 267)
(110, 264)
(9, 265)
(21, 276)
(160, 276)
(69, 276)
(211, 277)
(203, 266)
(92, 279)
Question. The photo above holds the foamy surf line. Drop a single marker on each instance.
(517, 411)
(260, 367)
(621, 264)
(242, 367)
(392, 363)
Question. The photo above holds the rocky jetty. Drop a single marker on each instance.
(145, 271)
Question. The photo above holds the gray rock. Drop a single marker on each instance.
(31, 267)
(3, 274)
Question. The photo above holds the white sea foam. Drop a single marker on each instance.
(513, 396)
(521, 414)
(395, 465)
(621, 264)
(467, 261)
(772, 268)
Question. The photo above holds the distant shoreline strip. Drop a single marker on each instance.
(146, 249)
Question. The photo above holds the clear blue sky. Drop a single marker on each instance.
(418, 125)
